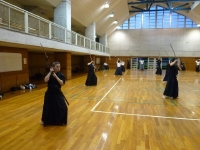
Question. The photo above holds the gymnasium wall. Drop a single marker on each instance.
(37, 63)
(189, 62)
(155, 42)
(14, 77)
(77, 64)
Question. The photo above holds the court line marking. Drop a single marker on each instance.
(140, 115)
(171, 99)
(105, 95)
(108, 92)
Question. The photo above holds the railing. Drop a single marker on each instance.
(15, 18)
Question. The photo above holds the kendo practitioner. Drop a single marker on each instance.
(197, 65)
(91, 78)
(171, 89)
(183, 66)
(141, 64)
(54, 109)
(128, 64)
(167, 72)
(122, 66)
(159, 70)
(118, 69)
(106, 66)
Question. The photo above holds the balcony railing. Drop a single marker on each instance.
(15, 18)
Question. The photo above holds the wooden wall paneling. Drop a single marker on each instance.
(68, 65)
(42, 61)
(112, 62)
(77, 63)
(65, 61)
(189, 63)
(22, 78)
(102, 61)
(14, 78)
(38, 63)
(98, 64)
(60, 57)
(8, 81)
(86, 60)
(33, 64)
(42, 64)
(82, 63)
(51, 58)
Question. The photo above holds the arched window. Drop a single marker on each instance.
(158, 19)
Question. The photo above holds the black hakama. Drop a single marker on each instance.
(128, 65)
(171, 89)
(106, 67)
(122, 68)
(54, 109)
(159, 70)
(118, 71)
(91, 78)
(183, 68)
(197, 68)
(166, 73)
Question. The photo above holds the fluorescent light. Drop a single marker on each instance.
(112, 14)
(115, 22)
(198, 25)
(106, 5)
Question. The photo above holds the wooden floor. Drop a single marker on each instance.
(120, 113)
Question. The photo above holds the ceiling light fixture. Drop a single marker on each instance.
(115, 22)
(118, 27)
(112, 14)
(106, 5)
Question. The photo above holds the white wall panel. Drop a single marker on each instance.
(148, 42)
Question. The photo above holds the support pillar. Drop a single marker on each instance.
(103, 40)
(62, 14)
(90, 32)
(62, 17)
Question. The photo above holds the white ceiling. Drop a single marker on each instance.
(85, 12)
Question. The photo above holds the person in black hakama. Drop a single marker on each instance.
(183, 66)
(171, 89)
(122, 66)
(54, 109)
(118, 69)
(197, 65)
(106, 66)
(128, 64)
(91, 78)
(141, 64)
(159, 70)
(167, 72)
